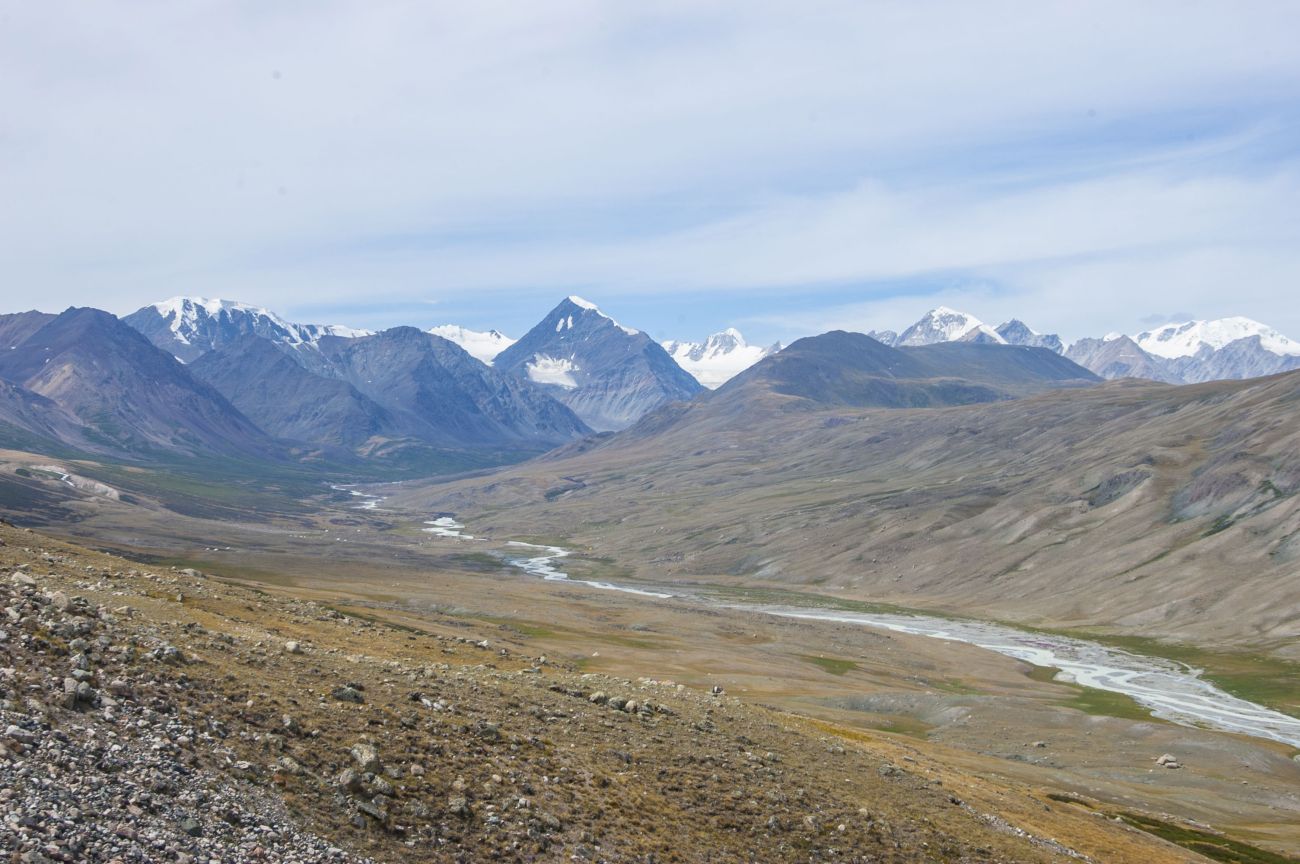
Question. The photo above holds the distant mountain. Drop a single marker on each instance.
(126, 394)
(484, 346)
(274, 390)
(1017, 332)
(1178, 353)
(384, 394)
(942, 324)
(610, 375)
(1189, 338)
(1197, 351)
(189, 327)
(14, 329)
(437, 392)
(1120, 357)
(851, 369)
(719, 358)
(29, 421)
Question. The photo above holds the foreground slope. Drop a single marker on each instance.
(1155, 510)
(164, 715)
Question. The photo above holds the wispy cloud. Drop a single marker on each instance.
(1081, 165)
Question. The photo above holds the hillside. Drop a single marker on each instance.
(1147, 509)
(199, 720)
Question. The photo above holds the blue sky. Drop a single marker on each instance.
(782, 168)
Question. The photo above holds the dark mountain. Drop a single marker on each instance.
(851, 369)
(14, 329)
(128, 395)
(189, 327)
(29, 421)
(275, 391)
(608, 374)
(433, 390)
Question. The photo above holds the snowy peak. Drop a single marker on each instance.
(1017, 332)
(483, 346)
(575, 305)
(608, 374)
(189, 327)
(942, 324)
(718, 359)
(1188, 338)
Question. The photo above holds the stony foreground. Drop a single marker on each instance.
(155, 715)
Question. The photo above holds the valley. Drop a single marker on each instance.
(967, 708)
(932, 550)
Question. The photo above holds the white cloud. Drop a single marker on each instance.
(290, 153)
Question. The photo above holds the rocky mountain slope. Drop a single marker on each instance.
(1153, 510)
(189, 327)
(610, 375)
(274, 390)
(718, 359)
(1017, 332)
(150, 714)
(127, 396)
(386, 391)
(1120, 357)
(15, 328)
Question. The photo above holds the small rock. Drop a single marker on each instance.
(348, 694)
(366, 757)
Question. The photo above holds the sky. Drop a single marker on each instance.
(784, 168)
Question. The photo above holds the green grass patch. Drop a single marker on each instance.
(1092, 701)
(1259, 678)
(478, 562)
(833, 665)
(530, 629)
(1212, 846)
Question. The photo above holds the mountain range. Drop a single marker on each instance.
(1185, 352)
(195, 376)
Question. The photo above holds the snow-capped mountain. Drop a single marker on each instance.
(189, 327)
(942, 324)
(1177, 353)
(1017, 332)
(1188, 338)
(484, 346)
(610, 375)
(1118, 356)
(718, 359)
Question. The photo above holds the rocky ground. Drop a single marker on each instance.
(161, 715)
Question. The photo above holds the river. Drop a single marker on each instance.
(1172, 691)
